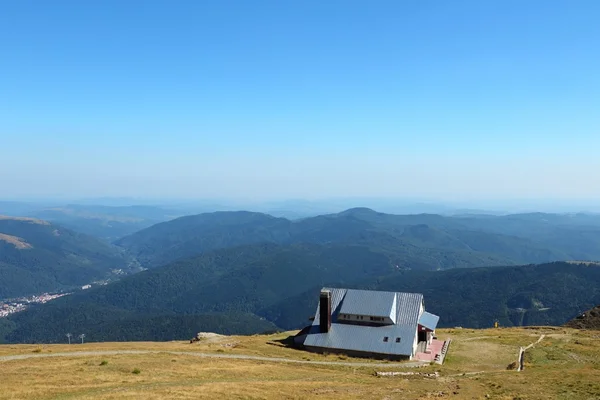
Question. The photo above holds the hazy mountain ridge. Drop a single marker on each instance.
(106, 222)
(471, 241)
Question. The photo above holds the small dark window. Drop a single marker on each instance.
(372, 319)
(385, 339)
(397, 340)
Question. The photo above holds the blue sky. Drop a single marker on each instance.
(277, 99)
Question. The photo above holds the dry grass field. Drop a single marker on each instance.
(565, 365)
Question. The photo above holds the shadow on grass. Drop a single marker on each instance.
(285, 342)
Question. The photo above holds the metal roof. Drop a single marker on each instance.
(429, 320)
(368, 302)
(347, 336)
(408, 306)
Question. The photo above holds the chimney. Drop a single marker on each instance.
(325, 311)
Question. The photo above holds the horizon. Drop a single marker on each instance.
(471, 102)
(316, 206)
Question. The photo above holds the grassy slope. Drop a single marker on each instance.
(565, 365)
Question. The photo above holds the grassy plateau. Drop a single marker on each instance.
(564, 365)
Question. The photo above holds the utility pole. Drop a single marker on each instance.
(69, 336)
(82, 336)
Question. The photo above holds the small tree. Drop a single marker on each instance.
(69, 336)
(82, 336)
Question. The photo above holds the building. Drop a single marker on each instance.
(366, 323)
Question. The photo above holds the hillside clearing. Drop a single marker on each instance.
(25, 219)
(565, 365)
(18, 242)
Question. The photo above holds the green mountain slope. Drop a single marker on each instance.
(545, 294)
(36, 256)
(229, 281)
(112, 324)
(281, 284)
(192, 235)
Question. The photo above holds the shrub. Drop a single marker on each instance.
(38, 349)
(512, 366)
(103, 362)
(136, 371)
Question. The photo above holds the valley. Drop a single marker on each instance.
(43, 257)
(11, 306)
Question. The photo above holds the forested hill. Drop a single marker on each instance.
(191, 235)
(426, 241)
(545, 294)
(37, 256)
(280, 284)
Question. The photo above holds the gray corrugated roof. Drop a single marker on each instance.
(368, 302)
(429, 320)
(369, 338)
(408, 306)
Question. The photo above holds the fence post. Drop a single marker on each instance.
(520, 360)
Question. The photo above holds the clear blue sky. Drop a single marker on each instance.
(439, 99)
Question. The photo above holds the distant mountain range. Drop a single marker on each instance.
(424, 241)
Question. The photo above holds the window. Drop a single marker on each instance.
(385, 338)
(397, 340)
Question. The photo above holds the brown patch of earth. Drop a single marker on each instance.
(16, 241)
(25, 219)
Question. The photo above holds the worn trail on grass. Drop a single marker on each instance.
(534, 343)
(210, 355)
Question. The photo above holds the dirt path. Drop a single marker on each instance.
(534, 343)
(411, 364)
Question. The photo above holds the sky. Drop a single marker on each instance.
(300, 99)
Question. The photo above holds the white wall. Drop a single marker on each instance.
(415, 343)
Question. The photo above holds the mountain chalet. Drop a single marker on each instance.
(374, 324)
